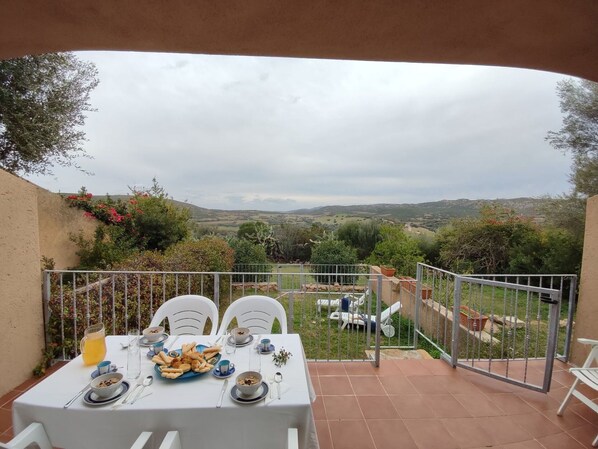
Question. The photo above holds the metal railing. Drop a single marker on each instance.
(75, 299)
(504, 329)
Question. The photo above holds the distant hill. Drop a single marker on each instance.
(431, 215)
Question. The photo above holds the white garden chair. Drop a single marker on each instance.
(354, 302)
(33, 434)
(360, 319)
(256, 313)
(587, 375)
(170, 441)
(187, 315)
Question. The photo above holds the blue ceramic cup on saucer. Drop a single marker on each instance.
(158, 347)
(224, 366)
(104, 367)
(265, 344)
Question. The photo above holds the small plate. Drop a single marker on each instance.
(151, 353)
(91, 398)
(216, 373)
(269, 351)
(260, 394)
(231, 342)
(96, 374)
(143, 341)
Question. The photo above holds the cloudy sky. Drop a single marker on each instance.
(281, 134)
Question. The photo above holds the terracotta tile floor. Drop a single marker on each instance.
(425, 404)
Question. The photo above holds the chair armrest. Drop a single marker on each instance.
(587, 341)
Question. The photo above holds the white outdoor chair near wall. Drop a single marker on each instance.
(360, 319)
(33, 434)
(587, 375)
(187, 315)
(170, 441)
(255, 312)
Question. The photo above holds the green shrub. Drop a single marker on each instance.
(249, 257)
(329, 258)
(396, 249)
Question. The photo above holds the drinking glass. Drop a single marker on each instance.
(133, 355)
(230, 346)
(93, 344)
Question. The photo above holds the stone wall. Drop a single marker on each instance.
(587, 306)
(33, 223)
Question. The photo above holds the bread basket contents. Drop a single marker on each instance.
(106, 385)
(189, 359)
(153, 333)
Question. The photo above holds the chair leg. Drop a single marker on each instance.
(563, 406)
(34, 433)
(595, 442)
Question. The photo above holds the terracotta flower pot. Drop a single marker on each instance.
(388, 271)
(472, 319)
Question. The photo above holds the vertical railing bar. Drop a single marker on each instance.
(100, 299)
(527, 332)
(217, 290)
(189, 284)
(139, 326)
(75, 313)
(418, 287)
(570, 313)
(62, 317)
(113, 305)
(551, 349)
(176, 284)
(455, 334)
(126, 303)
(46, 294)
(378, 323)
(151, 297)
(87, 308)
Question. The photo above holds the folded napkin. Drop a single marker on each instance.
(273, 393)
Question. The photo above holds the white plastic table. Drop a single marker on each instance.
(188, 406)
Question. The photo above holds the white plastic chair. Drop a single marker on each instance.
(292, 439)
(586, 375)
(361, 319)
(170, 441)
(33, 434)
(255, 312)
(354, 302)
(187, 315)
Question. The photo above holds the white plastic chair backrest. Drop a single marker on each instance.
(292, 438)
(592, 358)
(385, 315)
(33, 433)
(187, 315)
(170, 441)
(255, 312)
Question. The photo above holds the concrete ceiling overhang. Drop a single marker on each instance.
(553, 35)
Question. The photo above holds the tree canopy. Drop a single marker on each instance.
(42, 103)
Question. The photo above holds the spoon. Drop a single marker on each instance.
(146, 383)
(278, 380)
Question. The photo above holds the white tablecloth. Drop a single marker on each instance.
(187, 406)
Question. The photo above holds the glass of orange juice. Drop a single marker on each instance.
(93, 344)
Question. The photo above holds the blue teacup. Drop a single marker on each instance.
(265, 344)
(158, 347)
(224, 366)
(104, 367)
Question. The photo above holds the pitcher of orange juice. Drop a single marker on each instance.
(93, 344)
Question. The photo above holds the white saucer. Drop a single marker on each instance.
(92, 399)
(143, 341)
(260, 394)
(231, 342)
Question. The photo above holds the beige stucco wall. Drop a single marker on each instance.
(57, 222)
(21, 319)
(33, 222)
(587, 306)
